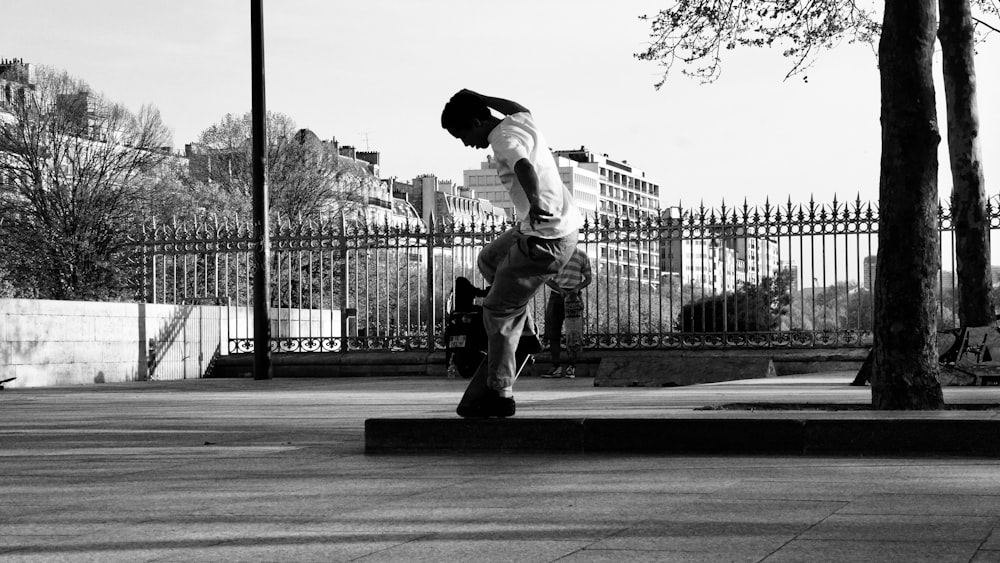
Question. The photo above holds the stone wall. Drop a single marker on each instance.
(46, 342)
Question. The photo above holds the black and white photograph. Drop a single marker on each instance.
(532, 281)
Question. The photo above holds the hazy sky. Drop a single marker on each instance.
(375, 74)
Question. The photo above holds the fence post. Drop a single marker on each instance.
(344, 276)
(430, 285)
(725, 274)
(148, 266)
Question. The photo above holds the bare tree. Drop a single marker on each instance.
(72, 163)
(174, 195)
(307, 177)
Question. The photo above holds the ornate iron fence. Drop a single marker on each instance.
(770, 276)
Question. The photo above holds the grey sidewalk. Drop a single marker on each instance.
(242, 470)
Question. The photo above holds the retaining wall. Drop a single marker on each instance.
(45, 342)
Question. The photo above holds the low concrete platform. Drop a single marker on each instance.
(811, 414)
(815, 434)
(244, 470)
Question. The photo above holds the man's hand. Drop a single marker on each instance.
(537, 215)
(504, 106)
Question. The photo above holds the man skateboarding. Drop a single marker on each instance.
(523, 258)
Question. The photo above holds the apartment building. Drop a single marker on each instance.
(17, 78)
(708, 257)
(623, 193)
(451, 203)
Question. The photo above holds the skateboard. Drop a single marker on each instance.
(477, 385)
(573, 325)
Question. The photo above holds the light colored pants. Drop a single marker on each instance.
(516, 266)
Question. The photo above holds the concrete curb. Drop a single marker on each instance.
(791, 433)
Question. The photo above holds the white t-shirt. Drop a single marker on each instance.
(518, 137)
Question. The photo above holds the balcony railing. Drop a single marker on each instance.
(763, 277)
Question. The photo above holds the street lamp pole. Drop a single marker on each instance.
(262, 235)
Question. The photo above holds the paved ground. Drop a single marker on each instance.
(242, 470)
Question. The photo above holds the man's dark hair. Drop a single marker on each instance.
(461, 109)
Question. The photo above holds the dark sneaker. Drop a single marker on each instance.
(528, 344)
(553, 373)
(570, 372)
(490, 404)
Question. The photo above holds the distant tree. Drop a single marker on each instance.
(7, 288)
(72, 164)
(307, 178)
(172, 194)
(751, 308)
(226, 160)
(840, 307)
(858, 313)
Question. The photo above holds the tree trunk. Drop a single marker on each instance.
(968, 197)
(905, 367)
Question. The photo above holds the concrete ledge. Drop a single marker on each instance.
(980, 437)
(805, 434)
(692, 435)
(513, 434)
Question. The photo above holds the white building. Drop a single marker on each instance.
(623, 192)
(450, 202)
(713, 260)
(868, 279)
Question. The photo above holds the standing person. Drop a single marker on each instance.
(521, 259)
(570, 281)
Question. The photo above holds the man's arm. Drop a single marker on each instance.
(528, 178)
(506, 107)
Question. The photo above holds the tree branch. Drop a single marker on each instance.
(983, 23)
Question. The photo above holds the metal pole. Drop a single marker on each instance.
(262, 236)
(430, 284)
(345, 327)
